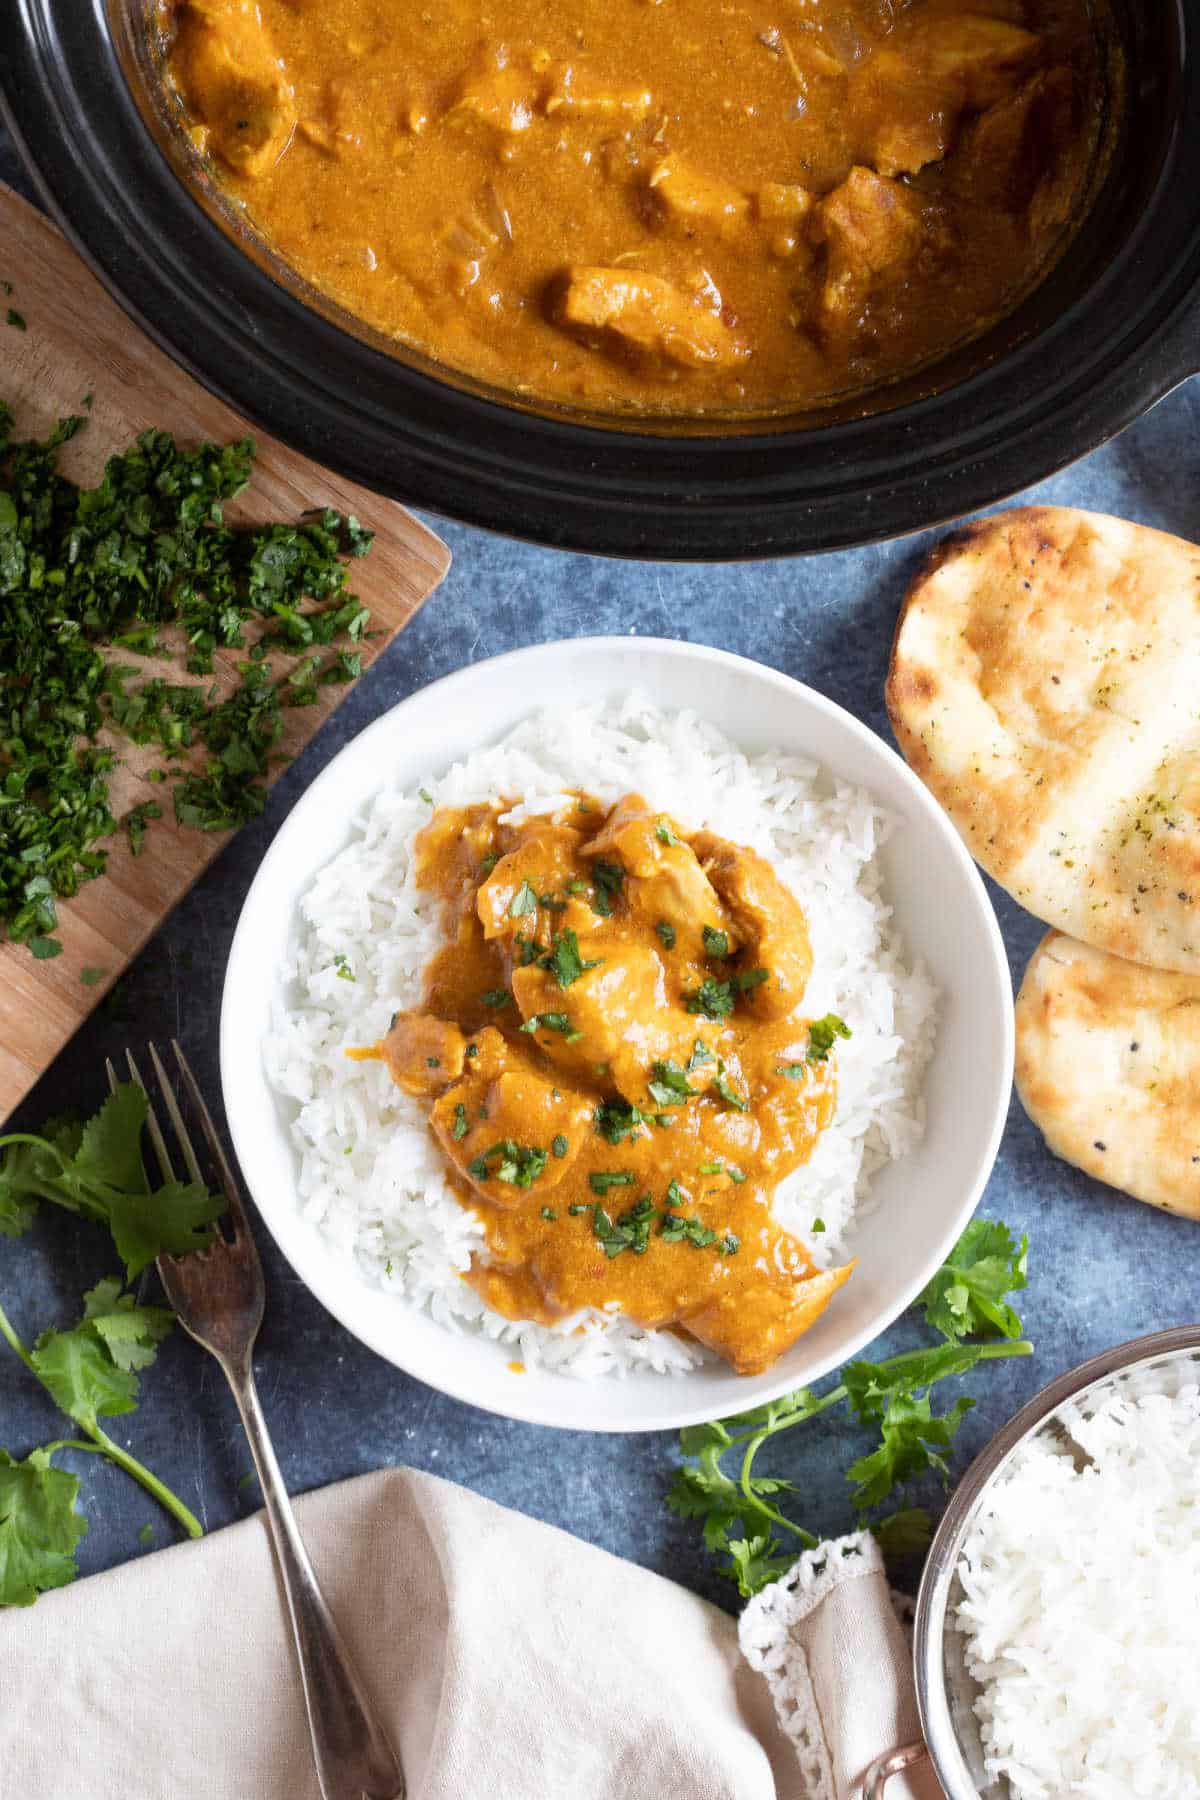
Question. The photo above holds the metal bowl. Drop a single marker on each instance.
(946, 1693)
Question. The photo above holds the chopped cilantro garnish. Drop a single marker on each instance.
(559, 1145)
(670, 1086)
(665, 934)
(631, 1231)
(751, 978)
(600, 1180)
(731, 1244)
(716, 943)
(548, 1212)
(818, 1225)
(342, 965)
(91, 977)
(823, 1033)
(711, 1000)
(738, 1175)
(664, 834)
(16, 319)
(460, 1128)
(517, 1164)
(552, 1021)
(426, 796)
(730, 1095)
(523, 901)
(488, 864)
(675, 1229)
(701, 1054)
(617, 1119)
(576, 886)
(86, 571)
(472, 1049)
(551, 904)
(496, 998)
(578, 1207)
(433, 1062)
(608, 879)
(675, 1194)
(795, 1071)
(563, 960)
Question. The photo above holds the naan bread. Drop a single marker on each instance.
(1108, 1069)
(1045, 684)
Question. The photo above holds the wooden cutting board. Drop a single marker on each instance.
(78, 342)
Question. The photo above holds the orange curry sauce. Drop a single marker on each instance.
(620, 1070)
(655, 206)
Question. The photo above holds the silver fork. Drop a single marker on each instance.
(218, 1294)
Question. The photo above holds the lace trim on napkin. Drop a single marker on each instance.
(767, 1639)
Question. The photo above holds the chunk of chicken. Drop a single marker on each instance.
(1020, 148)
(233, 83)
(500, 95)
(972, 57)
(541, 862)
(769, 920)
(912, 98)
(646, 317)
(782, 203)
(871, 228)
(424, 1055)
(908, 119)
(690, 200)
(621, 1011)
(506, 1136)
(668, 882)
(750, 1329)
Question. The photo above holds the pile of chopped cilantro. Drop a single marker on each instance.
(145, 564)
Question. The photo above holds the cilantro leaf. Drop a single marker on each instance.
(563, 960)
(98, 1173)
(822, 1035)
(966, 1296)
(39, 1527)
(90, 1371)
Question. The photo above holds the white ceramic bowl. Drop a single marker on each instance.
(940, 905)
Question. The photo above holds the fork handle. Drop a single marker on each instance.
(351, 1751)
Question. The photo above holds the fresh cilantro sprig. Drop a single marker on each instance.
(96, 1170)
(740, 1515)
(90, 1372)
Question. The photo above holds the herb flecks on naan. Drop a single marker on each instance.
(1108, 1069)
(1043, 684)
(620, 1071)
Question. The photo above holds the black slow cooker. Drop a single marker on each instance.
(1113, 328)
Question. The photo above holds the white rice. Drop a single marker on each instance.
(371, 1177)
(1082, 1607)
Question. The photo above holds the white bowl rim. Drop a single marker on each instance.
(447, 1379)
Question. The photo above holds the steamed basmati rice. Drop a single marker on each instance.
(1081, 1607)
(371, 1177)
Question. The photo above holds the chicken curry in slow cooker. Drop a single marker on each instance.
(619, 1070)
(687, 207)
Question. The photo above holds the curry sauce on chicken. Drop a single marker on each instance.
(657, 206)
(619, 1069)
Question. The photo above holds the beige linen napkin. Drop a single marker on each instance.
(511, 1662)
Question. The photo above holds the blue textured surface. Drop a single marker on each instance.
(1102, 1267)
